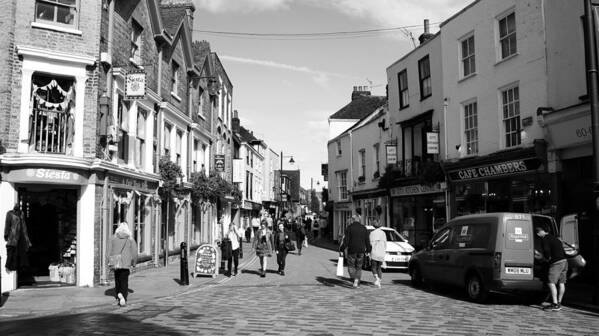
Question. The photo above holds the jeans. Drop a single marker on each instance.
(121, 282)
(355, 261)
(281, 258)
(235, 259)
(376, 268)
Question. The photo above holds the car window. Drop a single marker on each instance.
(543, 222)
(441, 239)
(472, 236)
(393, 236)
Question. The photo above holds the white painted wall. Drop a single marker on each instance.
(366, 137)
(338, 126)
(339, 163)
(85, 236)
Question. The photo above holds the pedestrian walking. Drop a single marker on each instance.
(234, 237)
(122, 256)
(553, 252)
(300, 235)
(355, 244)
(263, 246)
(281, 241)
(378, 243)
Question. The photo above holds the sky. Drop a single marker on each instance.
(285, 88)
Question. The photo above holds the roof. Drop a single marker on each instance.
(379, 112)
(172, 17)
(359, 107)
(245, 135)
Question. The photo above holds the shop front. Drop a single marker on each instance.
(417, 210)
(341, 219)
(515, 180)
(368, 201)
(52, 200)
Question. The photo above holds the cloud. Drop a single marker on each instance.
(320, 77)
(220, 6)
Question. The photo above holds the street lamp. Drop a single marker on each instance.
(291, 161)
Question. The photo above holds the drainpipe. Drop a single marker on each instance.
(447, 205)
(351, 165)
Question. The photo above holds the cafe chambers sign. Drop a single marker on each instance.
(495, 170)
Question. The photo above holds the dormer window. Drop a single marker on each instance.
(136, 31)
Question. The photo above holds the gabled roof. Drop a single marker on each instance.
(176, 24)
(359, 107)
(374, 115)
(245, 135)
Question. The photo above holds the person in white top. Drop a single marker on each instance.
(378, 241)
(235, 237)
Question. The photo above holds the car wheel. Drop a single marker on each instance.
(477, 291)
(416, 276)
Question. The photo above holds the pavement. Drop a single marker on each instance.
(144, 285)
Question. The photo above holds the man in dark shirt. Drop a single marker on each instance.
(357, 243)
(553, 251)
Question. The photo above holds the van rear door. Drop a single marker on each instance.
(517, 255)
(569, 229)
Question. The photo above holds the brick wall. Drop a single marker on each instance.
(7, 16)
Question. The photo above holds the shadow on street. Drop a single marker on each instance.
(110, 292)
(83, 324)
(332, 282)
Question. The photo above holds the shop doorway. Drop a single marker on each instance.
(51, 217)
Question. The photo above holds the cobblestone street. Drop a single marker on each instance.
(311, 300)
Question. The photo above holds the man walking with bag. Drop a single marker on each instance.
(357, 243)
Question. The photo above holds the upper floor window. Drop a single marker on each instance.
(467, 51)
(471, 127)
(123, 129)
(140, 146)
(404, 98)
(179, 147)
(362, 164)
(342, 184)
(424, 73)
(507, 35)
(167, 140)
(339, 148)
(510, 101)
(136, 31)
(175, 78)
(201, 102)
(377, 162)
(61, 12)
(155, 142)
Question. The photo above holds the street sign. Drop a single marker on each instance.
(219, 162)
(432, 143)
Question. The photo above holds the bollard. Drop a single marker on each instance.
(184, 277)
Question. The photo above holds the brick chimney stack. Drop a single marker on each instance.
(187, 4)
(360, 91)
(236, 123)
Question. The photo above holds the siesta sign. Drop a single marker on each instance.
(496, 169)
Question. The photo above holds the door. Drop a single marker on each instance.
(439, 255)
(518, 255)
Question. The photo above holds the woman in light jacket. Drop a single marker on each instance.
(122, 243)
(263, 246)
(378, 241)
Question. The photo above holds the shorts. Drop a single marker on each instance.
(558, 272)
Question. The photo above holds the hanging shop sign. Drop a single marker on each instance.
(500, 169)
(135, 85)
(391, 154)
(45, 175)
(219, 163)
(432, 143)
(417, 189)
(206, 261)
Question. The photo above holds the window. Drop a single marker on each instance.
(167, 140)
(140, 146)
(440, 240)
(339, 148)
(404, 98)
(123, 129)
(472, 235)
(362, 165)
(178, 148)
(247, 184)
(175, 78)
(136, 31)
(61, 12)
(155, 143)
(196, 149)
(468, 64)
(200, 102)
(424, 73)
(510, 99)
(342, 184)
(471, 127)
(507, 35)
(376, 160)
(140, 231)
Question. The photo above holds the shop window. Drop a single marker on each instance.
(59, 12)
(123, 129)
(140, 228)
(471, 128)
(140, 146)
(510, 103)
(120, 209)
(404, 97)
(424, 73)
(507, 35)
(136, 33)
(52, 118)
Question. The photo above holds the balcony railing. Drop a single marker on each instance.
(51, 131)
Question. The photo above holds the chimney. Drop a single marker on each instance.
(187, 4)
(360, 91)
(235, 121)
(426, 35)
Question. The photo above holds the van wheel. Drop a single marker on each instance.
(416, 276)
(477, 291)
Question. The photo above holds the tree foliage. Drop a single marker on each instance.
(213, 187)
(171, 175)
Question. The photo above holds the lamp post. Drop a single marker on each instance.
(281, 177)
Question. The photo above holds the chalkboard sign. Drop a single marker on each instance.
(206, 261)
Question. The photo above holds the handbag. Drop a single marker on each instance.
(116, 261)
(340, 267)
(289, 246)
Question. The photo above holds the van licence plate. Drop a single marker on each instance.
(517, 270)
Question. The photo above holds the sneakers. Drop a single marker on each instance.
(282, 273)
(122, 301)
(377, 283)
(356, 283)
(553, 307)
(235, 273)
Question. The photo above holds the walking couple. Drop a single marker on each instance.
(359, 244)
(264, 243)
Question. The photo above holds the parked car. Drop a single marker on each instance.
(399, 251)
(483, 253)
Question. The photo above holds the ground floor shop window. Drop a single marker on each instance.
(343, 219)
(417, 217)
